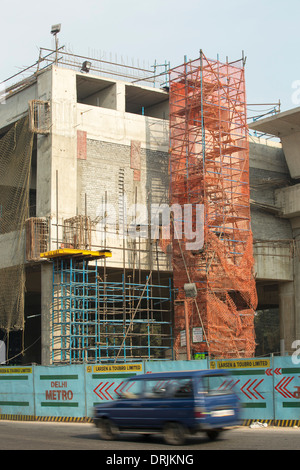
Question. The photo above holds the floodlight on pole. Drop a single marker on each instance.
(86, 66)
(55, 29)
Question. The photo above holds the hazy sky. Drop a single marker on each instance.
(267, 30)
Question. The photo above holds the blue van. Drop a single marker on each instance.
(174, 403)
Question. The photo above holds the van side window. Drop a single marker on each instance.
(213, 385)
(155, 388)
(184, 389)
(175, 388)
(131, 389)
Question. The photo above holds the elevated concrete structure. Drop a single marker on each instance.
(286, 126)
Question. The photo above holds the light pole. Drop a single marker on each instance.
(55, 29)
(190, 293)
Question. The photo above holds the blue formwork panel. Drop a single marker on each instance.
(105, 382)
(60, 391)
(17, 391)
(287, 388)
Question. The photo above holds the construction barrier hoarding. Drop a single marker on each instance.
(268, 388)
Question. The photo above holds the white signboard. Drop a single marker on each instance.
(197, 335)
(182, 338)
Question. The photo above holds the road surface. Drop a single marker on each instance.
(22, 435)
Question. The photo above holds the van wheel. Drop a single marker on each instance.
(174, 433)
(213, 434)
(107, 429)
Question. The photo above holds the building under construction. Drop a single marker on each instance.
(108, 175)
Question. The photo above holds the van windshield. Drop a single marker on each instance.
(218, 384)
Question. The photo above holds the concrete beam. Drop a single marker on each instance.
(285, 125)
(273, 261)
(281, 124)
(288, 200)
(291, 145)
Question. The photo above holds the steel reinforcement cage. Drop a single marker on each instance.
(209, 165)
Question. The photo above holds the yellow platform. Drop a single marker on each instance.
(70, 252)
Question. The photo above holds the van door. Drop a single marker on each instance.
(167, 400)
(126, 411)
(221, 406)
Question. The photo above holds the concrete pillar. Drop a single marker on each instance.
(46, 304)
(297, 286)
(64, 145)
(44, 144)
(287, 316)
(289, 297)
(288, 200)
(121, 94)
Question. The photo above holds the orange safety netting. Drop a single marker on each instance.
(209, 166)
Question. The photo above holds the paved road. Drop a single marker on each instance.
(21, 435)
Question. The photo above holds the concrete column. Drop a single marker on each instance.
(287, 316)
(64, 145)
(289, 299)
(44, 143)
(121, 97)
(297, 287)
(288, 200)
(46, 304)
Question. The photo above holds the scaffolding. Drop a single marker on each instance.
(135, 320)
(74, 310)
(209, 166)
(95, 320)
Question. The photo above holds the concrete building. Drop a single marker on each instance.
(100, 146)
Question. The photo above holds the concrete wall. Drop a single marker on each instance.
(103, 175)
(272, 235)
(16, 106)
(105, 169)
(66, 178)
(12, 249)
